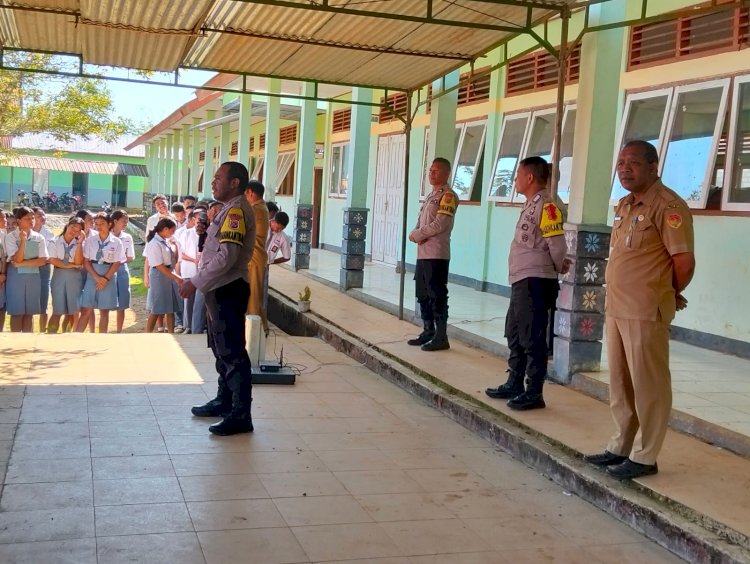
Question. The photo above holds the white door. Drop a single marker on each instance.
(387, 207)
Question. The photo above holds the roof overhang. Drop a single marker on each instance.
(394, 44)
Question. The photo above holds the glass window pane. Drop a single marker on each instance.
(739, 189)
(335, 169)
(542, 135)
(566, 156)
(689, 147)
(344, 183)
(425, 164)
(507, 158)
(463, 179)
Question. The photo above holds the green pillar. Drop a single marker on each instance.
(168, 159)
(175, 187)
(273, 118)
(195, 154)
(184, 161)
(226, 144)
(208, 164)
(147, 182)
(163, 163)
(243, 139)
(579, 320)
(304, 179)
(442, 142)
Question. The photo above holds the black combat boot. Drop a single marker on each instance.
(532, 398)
(239, 419)
(220, 406)
(512, 388)
(440, 341)
(426, 335)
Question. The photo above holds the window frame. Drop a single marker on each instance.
(526, 115)
(732, 147)
(290, 156)
(464, 126)
(566, 113)
(337, 194)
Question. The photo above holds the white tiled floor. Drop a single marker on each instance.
(707, 384)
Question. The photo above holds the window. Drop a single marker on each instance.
(40, 181)
(425, 188)
(474, 88)
(339, 170)
(342, 120)
(262, 141)
(737, 179)
(467, 174)
(257, 173)
(233, 149)
(288, 135)
(684, 124)
(252, 143)
(396, 103)
(532, 135)
(539, 70)
(285, 174)
(119, 198)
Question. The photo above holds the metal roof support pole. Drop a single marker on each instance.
(271, 157)
(243, 135)
(195, 157)
(404, 219)
(184, 171)
(208, 160)
(175, 186)
(147, 156)
(562, 65)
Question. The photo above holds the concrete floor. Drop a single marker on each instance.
(107, 465)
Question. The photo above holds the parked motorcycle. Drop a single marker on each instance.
(69, 203)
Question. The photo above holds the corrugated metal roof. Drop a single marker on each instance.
(70, 165)
(391, 44)
(46, 142)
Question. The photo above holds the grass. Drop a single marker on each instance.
(136, 275)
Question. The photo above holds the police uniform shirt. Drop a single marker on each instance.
(645, 236)
(278, 243)
(111, 248)
(538, 246)
(228, 247)
(434, 224)
(13, 242)
(57, 249)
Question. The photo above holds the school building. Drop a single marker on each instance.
(674, 72)
(96, 170)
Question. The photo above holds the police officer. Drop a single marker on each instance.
(223, 279)
(433, 238)
(537, 255)
(651, 261)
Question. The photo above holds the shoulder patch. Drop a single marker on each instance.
(448, 204)
(233, 228)
(551, 223)
(674, 220)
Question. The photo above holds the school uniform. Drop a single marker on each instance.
(66, 285)
(3, 261)
(188, 241)
(45, 271)
(101, 255)
(277, 243)
(123, 273)
(163, 296)
(23, 286)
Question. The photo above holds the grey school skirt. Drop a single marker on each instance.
(123, 287)
(22, 292)
(163, 294)
(66, 290)
(99, 299)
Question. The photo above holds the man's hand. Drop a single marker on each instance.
(566, 266)
(187, 289)
(681, 302)
(411, 238)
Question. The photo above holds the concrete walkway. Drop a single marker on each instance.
(705, 482)
(107, 465)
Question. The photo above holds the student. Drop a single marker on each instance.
(273, 209)
(162, 292)
(102, 255)
(178, 212)
(66, 255)
(88, 229)
(159, 202)
(45, 272)
(187, 267)
(198, 321)
(189, 201)
(119, 223)
(213, 209)
(3, 262)
(27, 251)
(278, 242)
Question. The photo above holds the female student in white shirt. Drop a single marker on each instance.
(119, 223)
(163, 297)
(102, 255)
(3, 262)
(66, 255)
(27, 251)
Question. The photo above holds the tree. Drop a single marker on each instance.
(64, 107)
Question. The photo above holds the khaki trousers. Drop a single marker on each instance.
(640, 389)
(256, 273)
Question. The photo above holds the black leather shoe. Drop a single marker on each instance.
(232, 426)
(629, 470)
(214, 408)
(436, 344)
(605, 458)
(422, 339)
(527, 401)
(504, 392)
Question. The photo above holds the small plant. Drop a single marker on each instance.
(304, 295)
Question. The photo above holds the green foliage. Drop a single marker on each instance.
(64, 107)
(304, 295)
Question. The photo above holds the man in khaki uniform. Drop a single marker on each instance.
(256, 268)
(433, 238)
(651, 261)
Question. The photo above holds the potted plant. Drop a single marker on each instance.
(304, 299)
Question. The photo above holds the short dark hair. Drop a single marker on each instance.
(649, 151)
(238, 171)
(189, 197)
(256, 188)
(214, 203)
(538, 168)
(163, 223)
(22, 211)
(158, 197)
(119, 214)
(83, 214)
(442, 161)
(178, 207)
(272, 207)
(37, 209)
(282, 218)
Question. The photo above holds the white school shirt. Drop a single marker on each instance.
(46, 233)
(188, 246)
(158, 252)
(127, 244)
(278, 243)
(56, 248)
(13, 241)
(112, 249)
(152, 221)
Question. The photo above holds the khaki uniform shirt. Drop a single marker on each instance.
(229, 246)
(260, 256)
(435, 223)
(538, 246)
(645, 235)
